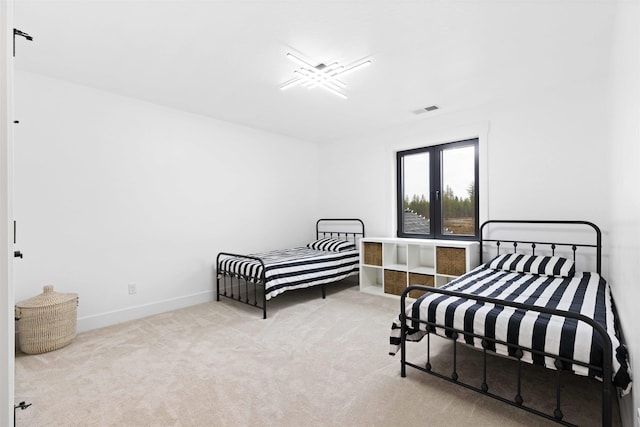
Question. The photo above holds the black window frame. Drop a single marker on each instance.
(436, 190)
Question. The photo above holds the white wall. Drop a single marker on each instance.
(112, 191)
(624, 194)
(541, 156)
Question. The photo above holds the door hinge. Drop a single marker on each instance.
(17, 32)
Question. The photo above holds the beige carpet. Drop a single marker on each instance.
(314, 362)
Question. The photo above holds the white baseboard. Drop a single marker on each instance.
(137, 312)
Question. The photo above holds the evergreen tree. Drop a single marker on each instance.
(452, 206)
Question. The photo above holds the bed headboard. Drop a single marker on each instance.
(351, 229)
(586, 235)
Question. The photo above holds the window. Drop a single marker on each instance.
(438, 191)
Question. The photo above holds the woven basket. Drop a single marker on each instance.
(395, 282)
(47, 321)
(373, 253)
(451, 261)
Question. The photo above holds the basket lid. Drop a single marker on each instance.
(47, 298)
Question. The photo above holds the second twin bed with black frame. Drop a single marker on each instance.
(529, 307)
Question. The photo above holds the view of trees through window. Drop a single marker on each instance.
(458, 182)
(458, 211)
(438, 187)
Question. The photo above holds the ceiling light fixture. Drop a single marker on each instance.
(321, 75)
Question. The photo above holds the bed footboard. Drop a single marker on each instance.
(452, 333)
(245, 288)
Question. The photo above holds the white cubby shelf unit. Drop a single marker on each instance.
(388, 265)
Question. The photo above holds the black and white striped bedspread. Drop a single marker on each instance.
(294, 268)
(585, 293)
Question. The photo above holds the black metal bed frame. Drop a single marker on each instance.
(241, 292)
(452, 333)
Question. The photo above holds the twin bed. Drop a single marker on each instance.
(256, 278)
(532, 307)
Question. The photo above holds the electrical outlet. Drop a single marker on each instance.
(132, 288)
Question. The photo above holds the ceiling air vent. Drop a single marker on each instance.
(426, 109)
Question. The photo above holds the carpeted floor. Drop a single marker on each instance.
(314, 362)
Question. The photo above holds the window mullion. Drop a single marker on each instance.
(476, 188)
(400, 193)
(436, 192)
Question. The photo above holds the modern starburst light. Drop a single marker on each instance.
(321, 75)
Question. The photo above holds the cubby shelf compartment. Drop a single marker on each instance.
(389, 265)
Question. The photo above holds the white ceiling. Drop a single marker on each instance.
(226, 59)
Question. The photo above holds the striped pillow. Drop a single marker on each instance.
(533, 264)
(333, 245)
